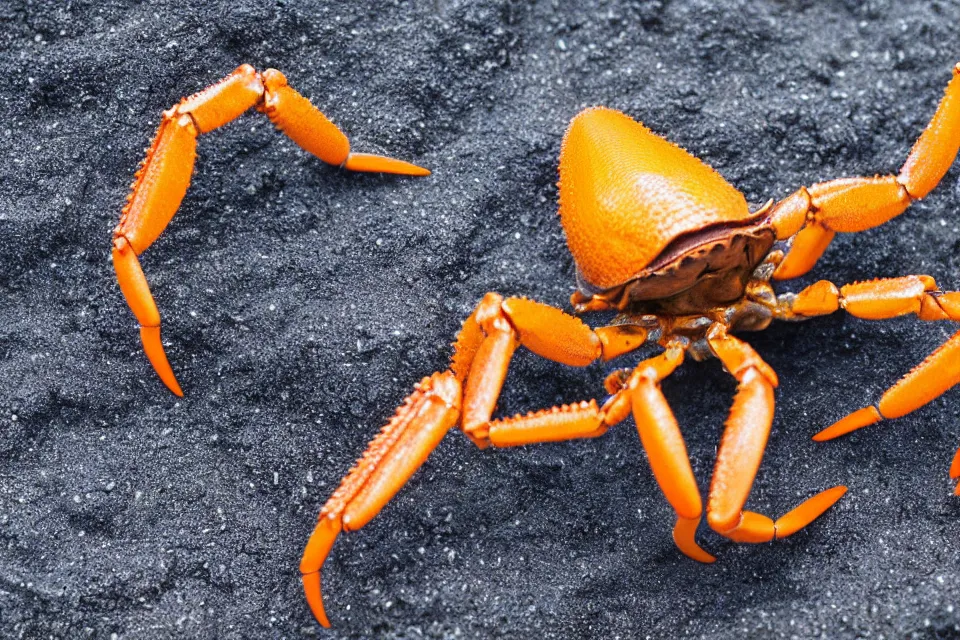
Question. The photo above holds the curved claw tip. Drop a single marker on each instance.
(318, 547)
(807, 511)
(369, 162)
(685, 537)
(311, 588)
(856, 420)
(150, 336)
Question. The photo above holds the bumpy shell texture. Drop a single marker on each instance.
(626, 193)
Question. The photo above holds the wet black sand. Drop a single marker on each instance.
(300, 303)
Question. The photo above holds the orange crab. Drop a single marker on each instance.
(662, 238)
(164, 175)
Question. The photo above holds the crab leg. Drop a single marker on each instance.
(562, 338)
(663, 442)
(492, 333)
(404, 444)
(306, 125)
(814, 214)
(879, 300)
(741, 450)
(486, 343)
(164, 176)
(481, 355)
(391, 458)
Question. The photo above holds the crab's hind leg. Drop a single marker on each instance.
(306, 125)
(741, 450)
(164, 176)
(879, 300)
(158, 189)
(814, 214)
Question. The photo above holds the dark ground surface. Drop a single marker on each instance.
(301, 303)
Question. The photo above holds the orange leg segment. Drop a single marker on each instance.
(135, 289)
(490, 336)
(879, 300)
(666, 450)
(391, 458)
(856, 204)
(741, 450)
(468, 391)
(568, 422)
(164, 176)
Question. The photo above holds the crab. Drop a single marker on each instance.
(663, 239)
(164, 175)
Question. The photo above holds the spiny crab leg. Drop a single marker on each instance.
(164, 176)
(814, 214)
(391, 458)
(478, 367)
(741, 450)
(879, 300)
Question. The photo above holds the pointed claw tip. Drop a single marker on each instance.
(684, 536)
(695, 552)
(174, 387)
(700, 556)
(824, 500)
(153, 347)
(371, 163)
(318, 547)
(832, 496)
(171, 382)
(830, 433)
(311, 589)
(856, 420)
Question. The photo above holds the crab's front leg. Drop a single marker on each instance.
(469, 391)
(813, 215)
(661, 438)
(741, 450)
(164, 176)
(391, 458)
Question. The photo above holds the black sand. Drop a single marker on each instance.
(301, 303)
